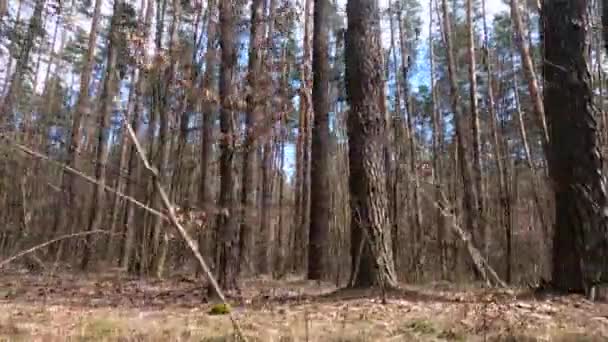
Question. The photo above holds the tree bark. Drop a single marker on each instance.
(255, 101)
(580, 240)
(320, 191)
(227, 221)
(367, 136)
(209, 84)
(107, 98)
(64, 218)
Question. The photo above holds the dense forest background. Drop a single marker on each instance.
(408, 143)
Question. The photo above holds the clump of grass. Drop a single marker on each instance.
(100, 328)
(422, 326)
(220, 309)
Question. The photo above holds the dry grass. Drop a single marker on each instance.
(121, 309)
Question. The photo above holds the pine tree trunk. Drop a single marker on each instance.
(367, 136)
(255, 99)
(68, 204)
(481, 235)
(107, 98)
(228, 218)
(319, 190)
(580, 241)
(209, 84)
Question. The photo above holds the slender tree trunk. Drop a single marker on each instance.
(127, 260)
(64, 216)
(470, 193)
(167, 116)
(255, 99)
(227, 225)
(320, 190)
(107, 98)
(120, 181)
(209, 116)
(481, 236)
(438, 151)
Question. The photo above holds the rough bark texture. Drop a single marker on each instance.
(580, 240)
(367, 129)
(319, 191)
(250, 160)
(227, 222)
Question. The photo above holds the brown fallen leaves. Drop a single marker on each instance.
(116, 307)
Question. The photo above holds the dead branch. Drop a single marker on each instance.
(42, 245)
(184, 234)
(91, 180)
(482, 265)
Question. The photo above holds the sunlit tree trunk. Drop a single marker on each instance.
(580, 241)
(366, 134)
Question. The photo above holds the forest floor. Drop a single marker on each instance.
(114, 307)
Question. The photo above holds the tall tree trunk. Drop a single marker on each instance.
(227, 225)
(255, 99)
(319, 191)
(438, 151)
(167, 116)
(127, 260)
(481, 235)
(209, 83)
(367, 136)
(110, 85)
(64, 218)
(470, 193)
(303, 186)
(580, 240)
(120, 181)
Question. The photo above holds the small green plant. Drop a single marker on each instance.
(422, 327)
(101, 328)
(220, 309)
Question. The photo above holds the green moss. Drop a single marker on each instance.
(220, 309)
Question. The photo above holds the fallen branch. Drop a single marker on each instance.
(184, 234)
(481, 264)
(42, 245)
(91, 180)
